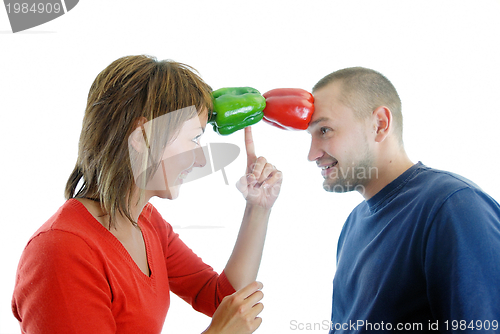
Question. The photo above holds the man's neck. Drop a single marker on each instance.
(387, 170)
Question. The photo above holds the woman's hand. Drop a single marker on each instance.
(237, 313)
(262, 183)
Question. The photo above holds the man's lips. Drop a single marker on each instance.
(327, 167)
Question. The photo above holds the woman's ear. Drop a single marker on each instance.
(138, 139)
(382, 118)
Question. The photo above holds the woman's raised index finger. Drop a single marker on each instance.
(250, 147)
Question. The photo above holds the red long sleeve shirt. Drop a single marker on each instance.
(75, 277)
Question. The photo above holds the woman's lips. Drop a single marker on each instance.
(184, 174)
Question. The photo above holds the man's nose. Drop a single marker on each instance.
(315, 151)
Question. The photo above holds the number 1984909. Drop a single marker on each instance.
(40, 8)
(456, 325)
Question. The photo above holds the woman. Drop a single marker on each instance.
(106, 261)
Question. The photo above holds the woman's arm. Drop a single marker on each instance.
(232, 312)
(260, 187)
(238, 313)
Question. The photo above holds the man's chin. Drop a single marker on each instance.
(333, 187)
(339, 187)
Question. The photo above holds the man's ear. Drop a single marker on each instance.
(138, 139)
(382, 123)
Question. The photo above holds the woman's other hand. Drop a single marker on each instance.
(237, 313)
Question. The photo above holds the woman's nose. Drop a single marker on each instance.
(199, 157)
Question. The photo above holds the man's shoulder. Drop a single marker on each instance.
(433, 190)
(435, 182)
(446, 177)
(420, 186)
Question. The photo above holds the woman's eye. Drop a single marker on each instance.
(196, 140)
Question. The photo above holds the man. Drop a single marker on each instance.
(422, 251)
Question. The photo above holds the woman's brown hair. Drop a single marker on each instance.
(128, 90)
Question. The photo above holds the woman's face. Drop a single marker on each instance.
(180, 157)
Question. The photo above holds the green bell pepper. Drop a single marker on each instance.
(236, 108)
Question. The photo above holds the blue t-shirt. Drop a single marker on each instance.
(422, 254)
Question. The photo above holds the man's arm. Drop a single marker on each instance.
(462, 262)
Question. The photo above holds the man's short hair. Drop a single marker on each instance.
(364, 90)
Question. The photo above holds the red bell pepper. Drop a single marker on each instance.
(289, 108)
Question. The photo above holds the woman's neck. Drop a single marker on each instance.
(121, 221)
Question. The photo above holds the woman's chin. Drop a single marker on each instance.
(171, 193)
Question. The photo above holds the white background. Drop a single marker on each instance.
(442, 56)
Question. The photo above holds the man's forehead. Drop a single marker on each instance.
(323, 102)
(329, 88)
(327, 105)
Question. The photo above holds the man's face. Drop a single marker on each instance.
(339, 143)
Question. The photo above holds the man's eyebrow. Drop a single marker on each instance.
(319, 120)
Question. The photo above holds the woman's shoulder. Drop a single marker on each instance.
(70, 225)
(151, 217)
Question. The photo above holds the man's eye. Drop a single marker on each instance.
(324, 130)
